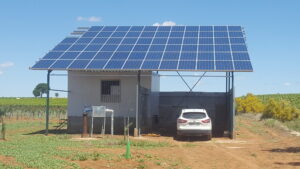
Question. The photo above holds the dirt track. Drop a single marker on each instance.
(256, 147)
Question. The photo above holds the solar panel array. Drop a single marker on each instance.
(180, 48)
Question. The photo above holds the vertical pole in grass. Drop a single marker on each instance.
(3, 130)
(128, 154)
(47, 102)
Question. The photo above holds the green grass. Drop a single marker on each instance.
(59, 151)
(30, 101)
(294, 124)
(272, 123)
(269, 122)
(294, 99)
(2, 165)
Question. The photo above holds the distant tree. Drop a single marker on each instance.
(36, 93)
(40, 89)
(56, 94)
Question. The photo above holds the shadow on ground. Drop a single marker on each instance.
(285, 150)
(289, 163)
(191, 139)
(52, 131)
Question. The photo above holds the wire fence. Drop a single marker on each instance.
(33, 112)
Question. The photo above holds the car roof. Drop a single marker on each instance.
(193, 110)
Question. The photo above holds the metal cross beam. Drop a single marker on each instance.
(191, 88)
(57, 90)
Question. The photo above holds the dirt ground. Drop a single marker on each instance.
(255, 147)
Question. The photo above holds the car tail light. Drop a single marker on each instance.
(181, 121)
(206, 121)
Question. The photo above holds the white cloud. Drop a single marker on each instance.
(166, 23)
(6, 65)
(287, 84)
(89, 19)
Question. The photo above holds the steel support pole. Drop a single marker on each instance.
(229, 101)
(233, 107)
(226, 100)
(137, 113)
(226, 82)
(47, 102)
(112, 123)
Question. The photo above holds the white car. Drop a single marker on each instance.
(194, 122)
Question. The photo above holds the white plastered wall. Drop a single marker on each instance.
(85, 90)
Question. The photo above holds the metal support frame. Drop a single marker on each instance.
(191, 88)
(230, 103)
(137, 111)
(47, 102)
(229, 90)
(232, 136)
(116, 75)
(57, 90)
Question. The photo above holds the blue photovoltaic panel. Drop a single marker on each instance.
(133, 64)
(61, 64)
(187, 65)
(79, 64)
(97, 64)
(199, 48)
(43, 63)
(168, 65)
(224, 65)
(206, 65)
(53, 55)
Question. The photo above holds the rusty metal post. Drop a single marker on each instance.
(84, 125)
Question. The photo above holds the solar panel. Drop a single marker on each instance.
(184, 48)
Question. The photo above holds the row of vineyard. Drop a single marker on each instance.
(294, 99)
(31, 108)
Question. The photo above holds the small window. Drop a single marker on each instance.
(194, 115)
(110, 91)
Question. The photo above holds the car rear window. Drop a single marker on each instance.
(194, 115)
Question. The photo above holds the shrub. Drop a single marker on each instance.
(281, 110)
(249, 104)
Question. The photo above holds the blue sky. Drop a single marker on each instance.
(31, 28)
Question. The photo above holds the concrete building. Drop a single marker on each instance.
(115, 90)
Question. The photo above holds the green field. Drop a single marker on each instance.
(28, 107)
(29, 101)
(27, 147)
(294, 99)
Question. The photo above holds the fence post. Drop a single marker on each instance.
(3, 130)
